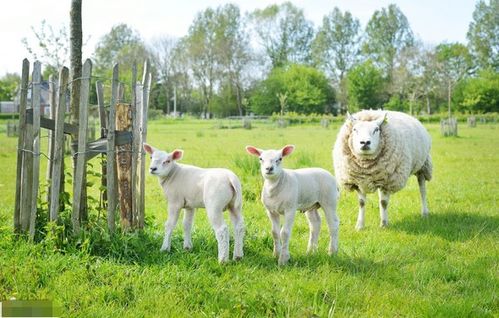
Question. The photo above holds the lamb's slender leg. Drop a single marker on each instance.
(333, 223)
(384, 198)
(188, 220)
(422, 192)
(314, 223)
(237, 220)
(289, 218)
(173, 212)
(274, 219)
(215, 215)
(362, 210)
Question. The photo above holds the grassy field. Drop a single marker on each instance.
(443, 266)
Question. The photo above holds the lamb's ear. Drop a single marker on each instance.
(350, 118)
(382, 120)
(253, 151)
(287, 150)
(177, 154)
(149, 149)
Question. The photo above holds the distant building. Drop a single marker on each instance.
(8, 107)
(44, 102)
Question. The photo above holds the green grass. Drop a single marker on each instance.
(443, 266)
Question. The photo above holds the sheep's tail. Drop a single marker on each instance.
(427, 169)
(237, 201)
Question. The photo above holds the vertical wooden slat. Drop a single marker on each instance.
(78, 179)
(135, 145)
(146, 82)
(103, 134)
(20, 144)
(58, 150)
(51, 139)
(36, 97)
(111, 144)
(124, 160)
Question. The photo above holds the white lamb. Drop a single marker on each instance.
(379, 150)
(285, 191)
(192, 187)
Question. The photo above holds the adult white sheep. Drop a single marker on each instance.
(285, 191)
(379, 150)
(191, 187)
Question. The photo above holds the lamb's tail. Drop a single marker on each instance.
(427, 168)
(237, 201)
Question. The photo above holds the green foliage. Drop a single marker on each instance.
(397, 104)
(365, 87)
(307, 91)
(8, 86)
(480, 94)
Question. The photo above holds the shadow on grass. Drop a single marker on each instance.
(449, 225)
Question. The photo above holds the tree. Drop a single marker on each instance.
(387, 34)
(365, 85)
(8, 86)
(481, 94)
(306, 89)
(483, 34)
(284, 33)
(454, 62)
(163, 57)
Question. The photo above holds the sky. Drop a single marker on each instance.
(432, 21)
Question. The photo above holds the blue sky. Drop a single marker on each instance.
(432, 21)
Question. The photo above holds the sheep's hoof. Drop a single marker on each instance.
(332, 251)
(223, 261)
(359, 227)
(425, 214)
(283, 260)
(238, 258)
(187, 248)
(164, 249)
(383, 224)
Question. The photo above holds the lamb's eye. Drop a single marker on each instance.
(355, 129)
(376, 130)
(279, 160)
(167, 161)
(260, 159)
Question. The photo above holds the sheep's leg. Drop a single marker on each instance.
(274, 219)
(215, 215)
(173, 212)
(384, 198)
(422, 192)
(289, 218)
(237, 220)
(362, 210)
(314, 222)
(188, 220)
(333, 223)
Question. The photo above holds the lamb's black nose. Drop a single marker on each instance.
(269, 169)
(366, 143)
(153, 169)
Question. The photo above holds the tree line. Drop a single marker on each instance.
(230, 63)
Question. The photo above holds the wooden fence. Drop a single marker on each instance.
(123, 130)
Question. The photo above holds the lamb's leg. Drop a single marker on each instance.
(314, 223)
(173, 212)
(333, 223)
(237, 220)
(188, 220)
(384, 198)
(289, 218)
(362, 210)
(422, 192)
(274, 219)
(215, 215)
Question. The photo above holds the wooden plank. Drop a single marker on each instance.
(103, 133)
(124, 160)
(51, 139)
(58, 154)
(36, 98)
(80, 170)
(140, 158)
(48, 123)
(135, 146)
(20, 144)
(111, 162)
(146, 82)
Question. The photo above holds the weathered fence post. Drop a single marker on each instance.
(124, 159)
(20, 146)
(448, 127)
(135, 146)
(103, 134)
(472, 121)
(146, 86)
(79, 177)
(57, 169)
(111, 159)
(36, 99)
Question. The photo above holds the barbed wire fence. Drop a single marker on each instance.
(123, 130)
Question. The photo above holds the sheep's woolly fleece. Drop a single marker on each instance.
(404, 150)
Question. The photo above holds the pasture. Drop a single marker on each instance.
(443, 266)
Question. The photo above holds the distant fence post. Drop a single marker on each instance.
(448, 127)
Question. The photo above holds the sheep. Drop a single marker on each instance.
(191, 187)
(380, 150)
(285, 191)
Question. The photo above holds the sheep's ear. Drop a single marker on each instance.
(350, 118)
(149, 149)
(177, 154)
(253, 151)
(287, 150)
(382, 120)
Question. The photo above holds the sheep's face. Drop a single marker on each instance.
(366, 135)
(162, 162)
(270, 160)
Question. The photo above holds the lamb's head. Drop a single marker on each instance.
(366, 135)
(270, 160)
(162, 162)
